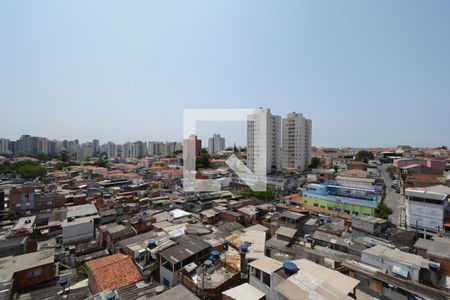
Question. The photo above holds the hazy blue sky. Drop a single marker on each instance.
(367, 73)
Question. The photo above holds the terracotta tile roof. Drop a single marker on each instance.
(293, 209)
(294, 198)
(113, 272)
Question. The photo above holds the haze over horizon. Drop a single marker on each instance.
(367, 74)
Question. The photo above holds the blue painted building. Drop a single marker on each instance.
(340, 199)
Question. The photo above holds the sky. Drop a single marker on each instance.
(368, 73)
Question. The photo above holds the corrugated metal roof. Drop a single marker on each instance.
(313, 281)
(187, 246)
(266, 264)
(244, 292)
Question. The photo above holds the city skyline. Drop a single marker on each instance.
(206, 138)
(121, 73)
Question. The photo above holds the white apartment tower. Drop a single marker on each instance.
(216, 144)
(296, 141)
(263, 156)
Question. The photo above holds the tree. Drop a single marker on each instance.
(391, 170)
(383, 211)
(32, 171)
(269, 194)
(203, 161)
(26, 169)
(64, 156)
(101, 163)
(315, 163)
(364, 156)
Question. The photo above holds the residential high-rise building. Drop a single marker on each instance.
(192, 147)
(134, 150)
(110, 149)
(140, 149)
(155, 148)
(216, 144)
(24, 144)
(52, 147)
(163, 149)
(4, 146)
(96, 144)
(42, 146)
(296, 141)
(170, 148)
(85, 151)
(264, 156)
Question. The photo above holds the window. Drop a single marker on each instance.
(33, 273)
(266, 279)
(322, 206)
(346, 211)
(258, 274)
(315, 205)
(166, 282)
(178, 266)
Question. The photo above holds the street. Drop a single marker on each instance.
(393, 200)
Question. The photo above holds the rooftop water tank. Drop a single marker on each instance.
(63, 282)
(244, 247)
(208, 263)
(215, 255)
(289, 268)
(151, 244)
(110, 295)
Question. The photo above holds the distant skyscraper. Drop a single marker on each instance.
(24, 144)
(110, 149)
(4, 146)
(216, 144)
(269, 157)
(85, 151)
(96, 144)
(296, 145)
